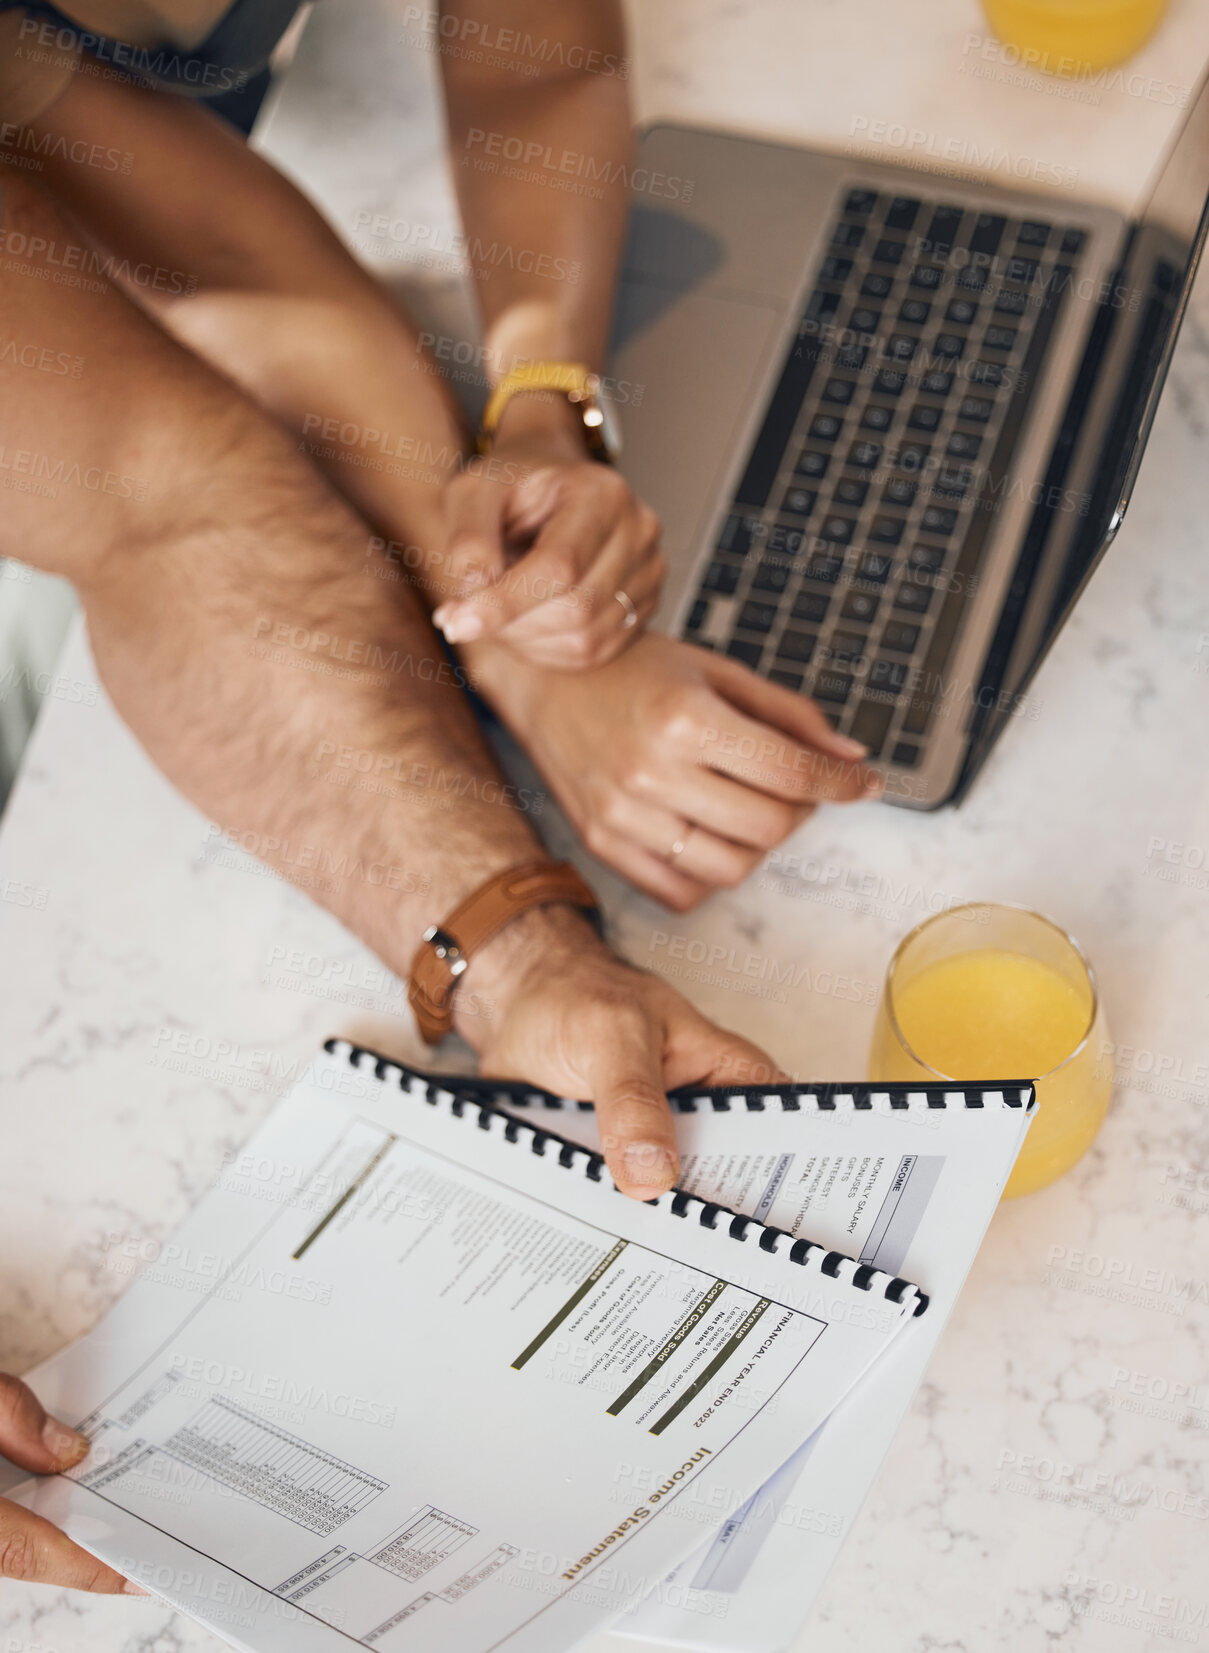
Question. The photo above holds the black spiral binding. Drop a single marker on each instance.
(485, 1095)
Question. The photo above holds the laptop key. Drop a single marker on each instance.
(927, 276)
(985, 373)
(929, 558)
(973, 278)
(942, 231)
(787, 680)
(876, 285)
(826, 427)
(861, 606)
(811, 606)
(936, 383)
(821, 306)
(780, 417)
(771, 576)
(900, 636)
(796, 645)
(915, 312)
(888, 675)
(812, 463)
(697, 615)
(722, 578)
(871, 724)
(757, 616)
(823, 568)
(887, 530)
(835, 269)
(847, 235)
(848, 491)
(877, 417)
(900, 214)
(838, 390)
(888, 382)
(1023, 270)
(749, 653)
(846, 648)
(737, 534)
(976, 408)
(888, 251)
(953, 481)
(900, 490)
(914, 599)
(949, 346)
(913, 456)
(1010, 303)
(962, 311)
(924, 417)
(852, 356)
(1072, 241)
(902, 347)
(875, 567)
(833, 687)
(864, 320)
(860, 201)
(798, 502)
(906, 754)
(999, 338)
(963, 446)
(938, 519)
(864, 455)
(838, 530)
(987, 232)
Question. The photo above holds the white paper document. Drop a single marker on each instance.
(415, 1376)
(909, 1188)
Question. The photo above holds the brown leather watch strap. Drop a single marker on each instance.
(447, 948)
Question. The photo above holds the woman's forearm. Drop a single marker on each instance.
(540, 146)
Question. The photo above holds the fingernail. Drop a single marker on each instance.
(650, 1167)
(873, 781)
(130, 1588)
(459, 625)
(850, 748)
(65, 1445)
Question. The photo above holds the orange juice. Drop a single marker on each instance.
(991, 1014)
(1074, 37)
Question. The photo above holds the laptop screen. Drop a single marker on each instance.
(1110, 414)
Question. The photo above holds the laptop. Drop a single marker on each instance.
(891, 420)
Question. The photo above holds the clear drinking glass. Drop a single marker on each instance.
(986, 992)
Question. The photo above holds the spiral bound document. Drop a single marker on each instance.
(904, 1179)
(415, 1375)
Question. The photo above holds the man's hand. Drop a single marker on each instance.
(679, 768)
(30, 1548)
(549, 1003)
(541, 539)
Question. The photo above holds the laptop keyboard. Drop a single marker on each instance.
(853, 544)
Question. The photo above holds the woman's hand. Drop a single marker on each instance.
(549, 551)
(679, 768)
(30, 1548)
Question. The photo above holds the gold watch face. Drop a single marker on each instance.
(602, 428)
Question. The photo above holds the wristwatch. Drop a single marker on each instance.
(578, 384)
(446, 949)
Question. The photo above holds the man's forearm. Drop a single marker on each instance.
(230, 615)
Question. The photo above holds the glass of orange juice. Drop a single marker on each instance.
(1074, 37)
(984, 992)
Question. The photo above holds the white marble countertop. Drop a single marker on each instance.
(146, 978)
